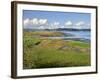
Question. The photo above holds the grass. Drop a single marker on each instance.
(43, 33)
(49, 53)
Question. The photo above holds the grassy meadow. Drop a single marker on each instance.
(42, 52)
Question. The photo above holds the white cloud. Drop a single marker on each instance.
(41, 27)
(68, 23)
(40, 23)
(56, 23)
(35, 22)
(81, 23)
(62, 27)
(43, 21)
(26, 22)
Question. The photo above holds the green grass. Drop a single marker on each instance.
(43, 33)
(49, 53)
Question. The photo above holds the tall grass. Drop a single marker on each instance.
(49, 53)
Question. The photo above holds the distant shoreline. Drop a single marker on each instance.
(56, 35)
(59, 29)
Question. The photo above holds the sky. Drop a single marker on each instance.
(52, 20)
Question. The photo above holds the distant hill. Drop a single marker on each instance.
(59, 29)
(73, 29)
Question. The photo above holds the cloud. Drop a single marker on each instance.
(43, 21)
(81, 23)
(68, 23)
(35, 21)
(41, 27)
(62, 27)
(26, 21)
(56, 23)
(40, 23)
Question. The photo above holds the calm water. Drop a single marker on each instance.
(75, 35)
(79, 34)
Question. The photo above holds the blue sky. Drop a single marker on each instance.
(58, 19)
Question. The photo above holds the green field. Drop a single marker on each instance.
(40, 52)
